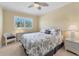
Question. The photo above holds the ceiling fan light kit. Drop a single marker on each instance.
(38, 5)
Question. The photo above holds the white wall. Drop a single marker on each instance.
(62, 18)
(1, 24)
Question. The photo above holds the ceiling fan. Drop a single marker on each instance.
(38, 5)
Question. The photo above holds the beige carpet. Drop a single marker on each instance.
(15, 49)
(63, 52)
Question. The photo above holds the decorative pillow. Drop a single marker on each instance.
(47, 31)
(10, 37)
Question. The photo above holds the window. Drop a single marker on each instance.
(23, 23)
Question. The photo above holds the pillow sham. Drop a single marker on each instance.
(55, 31)
(42, 31)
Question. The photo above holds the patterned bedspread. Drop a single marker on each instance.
(38, 44)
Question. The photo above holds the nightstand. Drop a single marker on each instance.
(72, 45)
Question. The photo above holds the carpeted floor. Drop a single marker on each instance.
(63, 52)
(15, 49)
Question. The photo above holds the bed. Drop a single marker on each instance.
(41, 43)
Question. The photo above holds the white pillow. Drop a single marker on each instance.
(52, 31)
(55, 31)
(42, 30)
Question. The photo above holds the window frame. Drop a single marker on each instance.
(23, 21)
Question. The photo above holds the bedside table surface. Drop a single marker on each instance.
(73, 40)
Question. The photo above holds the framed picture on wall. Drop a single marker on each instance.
(23, 23)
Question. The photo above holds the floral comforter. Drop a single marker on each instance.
(38, 44)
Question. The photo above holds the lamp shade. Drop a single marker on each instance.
(72, 28)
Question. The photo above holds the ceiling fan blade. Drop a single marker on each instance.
(30, 6)
(41, 3)
(39, 8)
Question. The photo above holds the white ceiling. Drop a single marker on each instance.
(23, 7)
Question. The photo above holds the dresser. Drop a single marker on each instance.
(72, 45)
